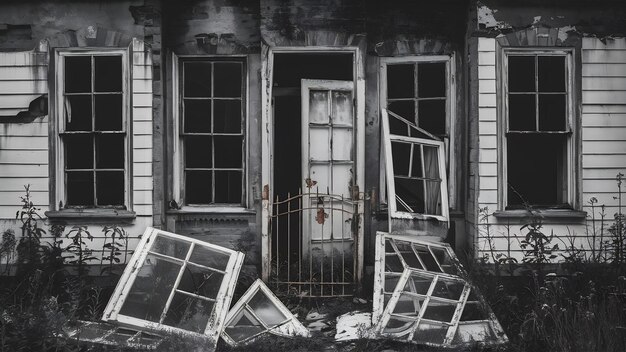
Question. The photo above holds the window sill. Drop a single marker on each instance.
(91, 214)
(545, 213)
(211, 210)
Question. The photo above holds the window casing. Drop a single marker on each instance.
(537, 153)
(421, 90)
(211, 131)
(92, 129)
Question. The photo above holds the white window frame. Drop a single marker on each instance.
(570, 120)
(449, 140)
(58, 126)
(288, 328)
(389, 173)
(222, 301)
(178, 148)
(381, 313)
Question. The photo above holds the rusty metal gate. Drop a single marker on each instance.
(312, 246)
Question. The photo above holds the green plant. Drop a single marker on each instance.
(115, 244)
(28, 247)
(81, 255)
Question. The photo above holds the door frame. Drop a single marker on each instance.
(267, 142)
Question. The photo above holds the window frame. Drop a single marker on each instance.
(449, 140)
(387, 137)
(571, 128)
(178, 161)
(57, 127)
(290, 327)
(222, 301)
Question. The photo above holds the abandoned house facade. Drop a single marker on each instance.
(293, 130)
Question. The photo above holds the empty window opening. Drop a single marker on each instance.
(212, 130)
(538, 133)
(93, 133)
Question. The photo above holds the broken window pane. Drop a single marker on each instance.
(198, 187)
(228, 79)
(431, 80)
(78, 151)
(432, 116)
(404, 108)
(522, 112)
(226, 116)
(78, 113)
(77, 74)
(108, 73)
(197, 116)
(108, 112)
(257, 312)
(400, 81)
(428, 298)
(167, 293)
(79, 188)
(410, 195)
(197, 79)
(401, 155)
(188, 313)
(551, 73)
(210, 257)
(110, 187)
(521, 73)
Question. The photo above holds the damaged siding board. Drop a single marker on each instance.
(177, 284)
(260, 312)
(603, 118)
(23, 146)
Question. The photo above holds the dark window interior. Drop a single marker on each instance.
(537, 131)
(93, 135)
(213, 97)
(417, 92)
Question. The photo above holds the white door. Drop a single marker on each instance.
(328, 163)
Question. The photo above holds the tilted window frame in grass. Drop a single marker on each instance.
(289, 327)
(221, 302)
(392, 195)
(62, 113)
(451, 271)
(183, 137)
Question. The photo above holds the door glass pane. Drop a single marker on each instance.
(342, 179)
(342, 144)
(318, 106)
(342, 107)
(319, 143)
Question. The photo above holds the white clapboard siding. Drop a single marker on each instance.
(23, 146)
(142, 129)
(603, 120)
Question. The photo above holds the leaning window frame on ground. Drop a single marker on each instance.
(179, 254)
(289, 326)
(390, 173)
(399, 278)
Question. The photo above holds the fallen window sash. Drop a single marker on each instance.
(390, 174)
(110, 335)
(430, 293)
(287, 325)
(176, 271)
